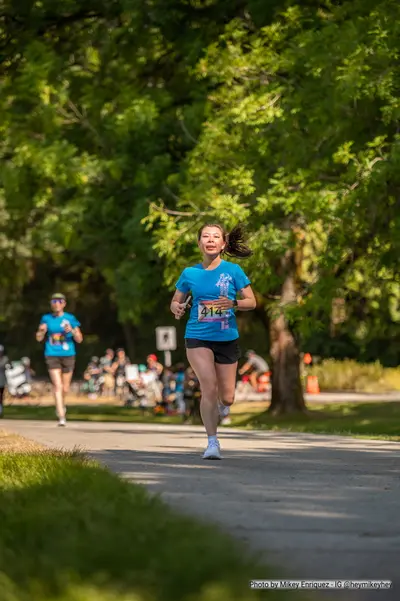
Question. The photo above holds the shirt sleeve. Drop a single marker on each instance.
(43, 320)
(74, 322)
(241, 279)
(182, 284)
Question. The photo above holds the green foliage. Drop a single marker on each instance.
(95, 105)
(349, 375)
(123, 128)
(301, 143)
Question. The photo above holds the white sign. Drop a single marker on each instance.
(132, 372)
(166, 338)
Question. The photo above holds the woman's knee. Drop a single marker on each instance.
(226, 393)
(227, 398)
(57, 387)
(209, 392)
(65, 387)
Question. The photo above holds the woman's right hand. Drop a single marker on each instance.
(41, 332)
(178, 309)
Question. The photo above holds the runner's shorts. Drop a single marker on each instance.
(226, 352)
(66, 364)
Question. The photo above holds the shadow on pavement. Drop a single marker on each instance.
(335, 515)
(323, 507)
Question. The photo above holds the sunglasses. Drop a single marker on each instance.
(54, 301)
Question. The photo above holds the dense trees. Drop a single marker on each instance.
(125, 124)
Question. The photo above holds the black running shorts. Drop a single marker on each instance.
(66, 364)
(226, 352)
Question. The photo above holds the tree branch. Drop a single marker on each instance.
(172, 194)
(187, 132)
(183, 213)
(85, 121)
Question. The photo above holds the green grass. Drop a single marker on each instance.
(73, 531)
(93, 413)
(370, 420)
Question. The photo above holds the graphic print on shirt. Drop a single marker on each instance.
(223, 283)
(59, 338)
(207, 312)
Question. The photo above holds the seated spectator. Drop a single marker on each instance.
(137, 388)
(106, 364)
(92, 377)
(180, 388)
(154, 365)
(118, 370)
(168, 388)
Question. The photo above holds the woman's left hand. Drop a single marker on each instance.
(223, 303)
(68, 328)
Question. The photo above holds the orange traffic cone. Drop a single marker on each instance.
(312, 385)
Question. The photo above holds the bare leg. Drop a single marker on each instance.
(66, 383)
(56, 380)
(226, 379)
(202, 362)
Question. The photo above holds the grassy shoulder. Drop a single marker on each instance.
(370, 420)
(12, 443)
(73, 531)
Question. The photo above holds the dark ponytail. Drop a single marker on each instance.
(235, 244)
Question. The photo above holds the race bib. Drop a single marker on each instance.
(207, 312)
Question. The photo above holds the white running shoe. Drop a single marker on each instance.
(62, 422)
(212, 451)
(226, 421)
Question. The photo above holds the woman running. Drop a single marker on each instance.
(60, 330)
(211, 333)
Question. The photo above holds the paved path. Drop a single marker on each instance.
(322, 506)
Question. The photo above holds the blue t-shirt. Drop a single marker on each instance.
(57, 342)
(206, 322)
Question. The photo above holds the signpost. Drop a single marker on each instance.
(166, 341)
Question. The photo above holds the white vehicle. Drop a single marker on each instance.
(17, 379)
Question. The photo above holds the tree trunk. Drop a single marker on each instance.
(129, 333)
(286, 389)
(262, 316)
